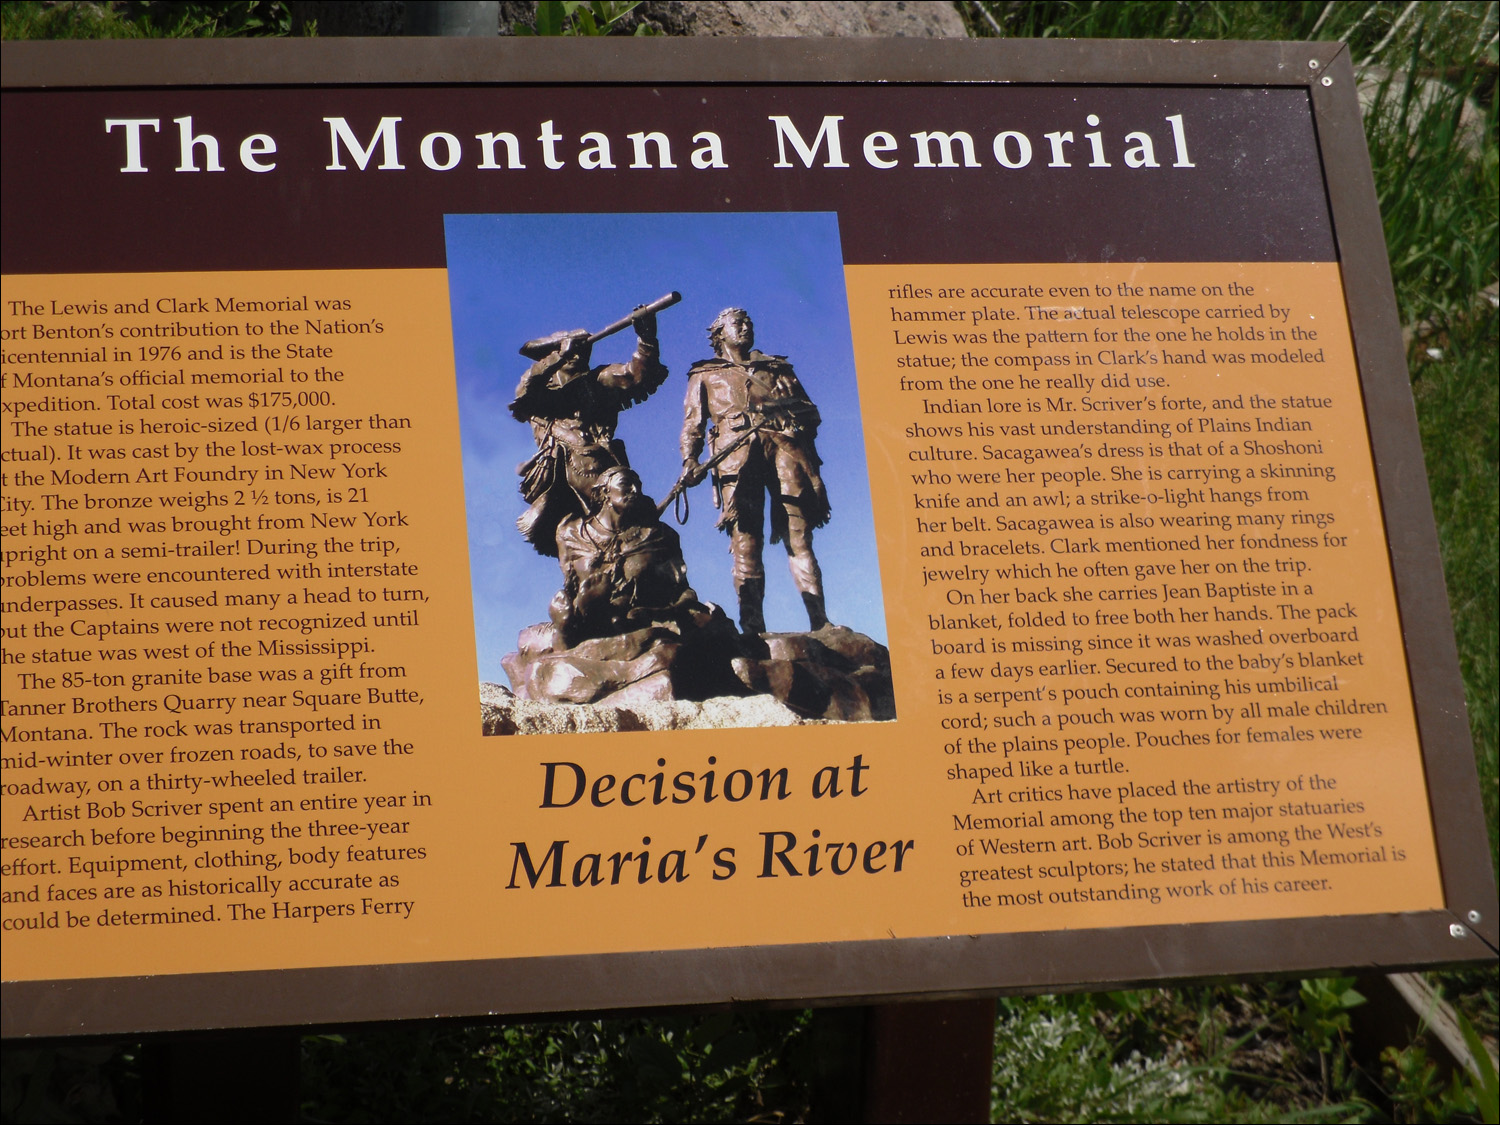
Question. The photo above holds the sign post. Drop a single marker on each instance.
(1114, 646)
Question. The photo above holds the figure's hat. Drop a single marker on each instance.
(543, 346)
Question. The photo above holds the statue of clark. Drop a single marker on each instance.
(761, 429)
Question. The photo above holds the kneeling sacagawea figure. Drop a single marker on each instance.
(626, 626)
(622, 566)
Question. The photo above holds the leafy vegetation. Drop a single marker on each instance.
(142, 19)
(583, 17)
(1229, 1052)
(722, 1067)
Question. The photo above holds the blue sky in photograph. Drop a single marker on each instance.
(515, 277)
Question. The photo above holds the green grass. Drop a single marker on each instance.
(1457, 407)
(1184, 1054)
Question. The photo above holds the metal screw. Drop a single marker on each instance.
(1474, 918)
(1457, 930)
(1313, 64)
(1327, 81)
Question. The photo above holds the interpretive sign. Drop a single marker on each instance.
(401, 440)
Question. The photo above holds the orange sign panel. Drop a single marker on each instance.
(1145, 650)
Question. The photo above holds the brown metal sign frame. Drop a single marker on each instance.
(953, 966)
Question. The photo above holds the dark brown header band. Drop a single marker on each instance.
(917, 173)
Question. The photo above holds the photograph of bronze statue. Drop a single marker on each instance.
(622, 640)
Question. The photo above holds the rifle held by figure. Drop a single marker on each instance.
(542, 343)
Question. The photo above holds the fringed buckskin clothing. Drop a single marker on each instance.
(573, 422)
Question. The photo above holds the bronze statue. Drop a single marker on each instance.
(761, 432)
(626, 629)
(573, 409)
(622, 566)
